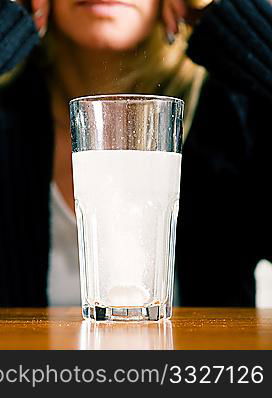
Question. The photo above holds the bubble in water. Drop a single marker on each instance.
(128, 296)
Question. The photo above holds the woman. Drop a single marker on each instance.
(97, 47)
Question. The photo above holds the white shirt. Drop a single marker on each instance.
(63, 287)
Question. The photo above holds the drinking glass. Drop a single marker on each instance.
(126, 172)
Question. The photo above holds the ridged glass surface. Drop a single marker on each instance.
(126, 205)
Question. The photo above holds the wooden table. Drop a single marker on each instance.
(190, 328)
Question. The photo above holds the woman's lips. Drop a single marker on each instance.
(104, 8)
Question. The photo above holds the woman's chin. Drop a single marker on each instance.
(110, 43)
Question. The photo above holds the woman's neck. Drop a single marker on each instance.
(78, 72)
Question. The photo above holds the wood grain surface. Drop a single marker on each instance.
(190, 328)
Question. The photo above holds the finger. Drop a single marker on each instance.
(40, 12)
(37, 4)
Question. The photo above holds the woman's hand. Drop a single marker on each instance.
(40, 10)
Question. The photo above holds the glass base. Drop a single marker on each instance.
(147, 313)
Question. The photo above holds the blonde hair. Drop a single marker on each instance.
(166, 69)
(158, 68)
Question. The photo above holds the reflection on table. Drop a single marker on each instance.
(124, 336)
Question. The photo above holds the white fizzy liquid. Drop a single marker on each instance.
(124, 203)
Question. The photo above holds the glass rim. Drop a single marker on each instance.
(125, 97)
